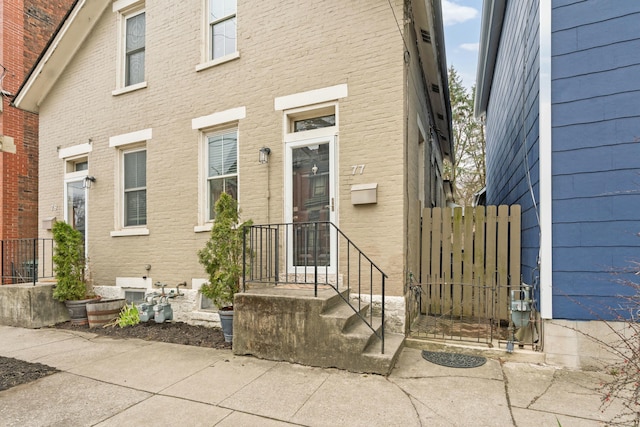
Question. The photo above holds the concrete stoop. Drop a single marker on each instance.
(295, 326)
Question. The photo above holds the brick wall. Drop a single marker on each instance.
(26, 28)
(333, 43)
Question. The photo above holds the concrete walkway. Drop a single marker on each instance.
(109, 382)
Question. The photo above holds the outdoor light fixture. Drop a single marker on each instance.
(264, 155)
(88, 180)
(314, 169)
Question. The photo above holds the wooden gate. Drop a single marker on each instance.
(470, 259)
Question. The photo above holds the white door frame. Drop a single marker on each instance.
(288, 200)
(78, 177)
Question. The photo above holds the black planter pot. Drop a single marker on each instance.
(78, 311)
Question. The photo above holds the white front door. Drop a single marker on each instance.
(75, 208)
(310, 204)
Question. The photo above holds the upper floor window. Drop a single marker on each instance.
(222, 28)
(131, 45)
(222, 167)
(134, 48)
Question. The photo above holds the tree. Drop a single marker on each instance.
(468, 170)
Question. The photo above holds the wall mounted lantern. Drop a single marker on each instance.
(264, 155)
(88, 180)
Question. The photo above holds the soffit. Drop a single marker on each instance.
(61, 49)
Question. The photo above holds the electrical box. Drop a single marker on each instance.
(47, 223)
(7, 145)
(363, 194)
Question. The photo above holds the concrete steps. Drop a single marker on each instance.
(295, 326)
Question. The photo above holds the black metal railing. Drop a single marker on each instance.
(318, 254)
(25, 260)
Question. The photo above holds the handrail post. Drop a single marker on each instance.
(244, 259)
(34, 268)
(315, 259)
(277, 257)
(382, 328)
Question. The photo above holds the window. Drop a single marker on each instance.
(135, 187)
(132, 45)
(314, 123)
(221, 28)
(134, 295)
(301, 122)
(134, 49)
(130, 202)
(222, 167)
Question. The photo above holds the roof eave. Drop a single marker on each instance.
(428, 17)
(492, 20)
(63, 45)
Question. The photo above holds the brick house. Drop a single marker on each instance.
(149, 110)
(26, 27)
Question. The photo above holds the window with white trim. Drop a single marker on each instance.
(134, 48)
(221, 163)
(130, 198)
(135, 187)
(221, 30)
(132, 41)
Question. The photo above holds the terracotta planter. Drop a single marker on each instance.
(101, 312)
(78, 310)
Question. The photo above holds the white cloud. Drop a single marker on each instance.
(453, 13)
(471, 47)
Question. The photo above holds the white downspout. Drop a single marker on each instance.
(545, 160)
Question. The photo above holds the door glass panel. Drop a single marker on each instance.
(76, 206)
(311, 205)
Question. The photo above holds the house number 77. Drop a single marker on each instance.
(355, 168)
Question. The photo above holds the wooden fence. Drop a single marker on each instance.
(467, 249)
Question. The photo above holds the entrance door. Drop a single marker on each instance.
(75, 207)
(310, 204)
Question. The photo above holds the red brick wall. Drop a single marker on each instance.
(27, 26)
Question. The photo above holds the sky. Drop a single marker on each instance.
(462, 19)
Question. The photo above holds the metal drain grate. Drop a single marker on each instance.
(453, 360)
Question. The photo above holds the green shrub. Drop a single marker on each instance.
(68, 259)
(129, 316)
(222, 254)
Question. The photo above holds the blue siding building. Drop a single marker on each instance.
(559, 87)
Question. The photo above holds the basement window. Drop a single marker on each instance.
(206, 303)
(134, 295)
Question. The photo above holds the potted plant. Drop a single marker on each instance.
(222, 260)
(68, 259)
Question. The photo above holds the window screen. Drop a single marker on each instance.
(135, 188)
(135, 47)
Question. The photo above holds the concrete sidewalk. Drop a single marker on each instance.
(109, 382)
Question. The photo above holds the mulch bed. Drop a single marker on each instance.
(14, 372)
(170, 332)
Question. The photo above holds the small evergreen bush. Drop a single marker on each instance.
(222, 254)
(68, 259)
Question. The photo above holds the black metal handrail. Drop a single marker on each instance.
(25, 260)
(313, 253)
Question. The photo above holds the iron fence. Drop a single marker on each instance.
(25, 260)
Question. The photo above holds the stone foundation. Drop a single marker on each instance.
(29, 306)
(573, 344)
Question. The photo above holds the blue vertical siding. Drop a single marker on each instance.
(512, 124)
(596, 154)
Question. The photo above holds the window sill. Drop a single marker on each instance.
(224, 59)
(130, 232)
(203, 228)
(128, 89)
